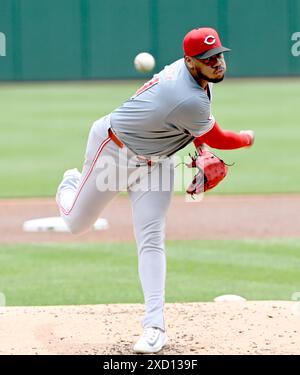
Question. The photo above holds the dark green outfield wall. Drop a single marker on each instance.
(86, 39)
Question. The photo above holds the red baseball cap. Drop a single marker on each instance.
(202, 43)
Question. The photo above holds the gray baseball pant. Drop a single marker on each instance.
(107, 170)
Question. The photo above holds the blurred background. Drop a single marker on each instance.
(98, 39)
(66, 63)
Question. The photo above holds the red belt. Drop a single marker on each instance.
(114, 138)
(120, 144)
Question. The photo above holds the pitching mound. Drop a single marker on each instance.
(193, 328)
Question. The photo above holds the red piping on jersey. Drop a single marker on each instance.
(67, 212)
(223, 139)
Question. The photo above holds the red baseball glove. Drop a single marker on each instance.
(211, 171)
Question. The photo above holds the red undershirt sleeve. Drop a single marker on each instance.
(223, 139)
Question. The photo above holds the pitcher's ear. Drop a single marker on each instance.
(189, 61)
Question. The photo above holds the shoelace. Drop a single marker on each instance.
(150, 334)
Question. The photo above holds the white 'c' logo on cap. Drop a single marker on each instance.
(211, 41)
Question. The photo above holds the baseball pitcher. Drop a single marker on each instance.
(132, 149)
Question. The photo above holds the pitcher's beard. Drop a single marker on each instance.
(213, 80)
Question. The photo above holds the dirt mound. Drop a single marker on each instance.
(193, 328)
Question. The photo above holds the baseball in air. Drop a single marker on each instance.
(144, 62)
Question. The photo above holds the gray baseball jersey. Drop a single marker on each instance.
(161, 118)
(165, 114)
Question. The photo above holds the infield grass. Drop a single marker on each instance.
(44, 129)
(45, 274)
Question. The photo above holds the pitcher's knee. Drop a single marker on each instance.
(153, 243)
(150, 235)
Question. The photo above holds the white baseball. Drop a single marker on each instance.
(144, 62)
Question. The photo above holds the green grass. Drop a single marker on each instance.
(53, 274)
(44, 128)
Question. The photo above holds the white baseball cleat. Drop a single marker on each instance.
(71, 177)
(72, 172)
(152, 341)
(70, 180)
